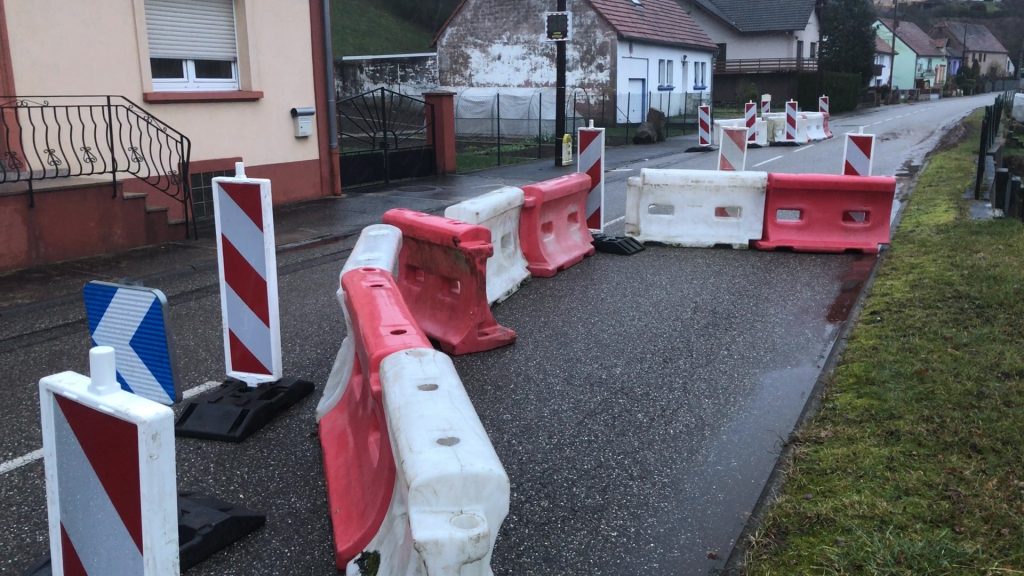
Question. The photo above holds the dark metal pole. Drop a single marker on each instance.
(332, 90)
(892, 56)
(498, 106)
(559, 92)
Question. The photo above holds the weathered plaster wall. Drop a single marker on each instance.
(406, 73)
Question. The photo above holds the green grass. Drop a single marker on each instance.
(363, 27)
(915, 463)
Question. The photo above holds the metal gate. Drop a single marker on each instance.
(385, 136)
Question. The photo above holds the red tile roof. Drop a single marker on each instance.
(657, 21)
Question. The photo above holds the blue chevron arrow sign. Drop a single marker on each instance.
(133, 320)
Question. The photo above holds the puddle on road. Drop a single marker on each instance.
(853, 280)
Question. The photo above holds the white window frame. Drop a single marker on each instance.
(190, 82)
(700, 75)
(665, 73)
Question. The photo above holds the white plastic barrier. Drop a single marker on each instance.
(451, 492)
(498, 211)
(760, 129)
(814, 125)
(696, 208)
(1018, 107)
(777, 127)
(378, 247)
(111, 489)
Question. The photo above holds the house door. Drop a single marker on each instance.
(636, 101)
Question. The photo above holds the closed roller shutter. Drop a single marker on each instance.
(191, 29)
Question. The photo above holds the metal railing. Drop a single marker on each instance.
(766, 65)
(989, 130)
(54, 137)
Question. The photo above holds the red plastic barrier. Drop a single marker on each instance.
(827, 213)
(552, 227)
(443, 278)
(358, 464)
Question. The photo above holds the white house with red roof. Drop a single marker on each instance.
(626, 54)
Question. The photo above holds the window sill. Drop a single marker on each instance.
(200, 96)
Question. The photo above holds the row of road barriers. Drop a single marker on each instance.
(801, 212)
(413, 482)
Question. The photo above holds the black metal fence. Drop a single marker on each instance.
(53, 137)
(499, 128)
(990, 125)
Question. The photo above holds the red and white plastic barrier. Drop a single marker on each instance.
(451, 492)
(696, 208)
(827, 213)
(443, 277)
(766, 104)
(377, 247)
(552, 227)
(732, 148)
(248, 277)
(110, 475)
(823, 107)
(704, 126)
(591, 155)
(498, 211)
(750, 120)
(858, 154)
(358, 464)
(791, 134)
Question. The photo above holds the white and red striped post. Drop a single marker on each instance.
(823, 108)
(248, 277)
(111, 489)
(766, 104)
(704, 125)
(750, 117)
(732, 150)
(790, 135)
(858, 154)
(591, 162)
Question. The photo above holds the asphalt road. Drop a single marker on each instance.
(638, 416)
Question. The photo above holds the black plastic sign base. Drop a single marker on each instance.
(206, 526)
(621, 245)
(702, 149)
(234, 411)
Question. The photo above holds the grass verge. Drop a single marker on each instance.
(363, 27)
(914, 463)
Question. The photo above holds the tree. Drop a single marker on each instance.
(847, 38)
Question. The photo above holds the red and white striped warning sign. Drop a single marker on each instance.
(591, 161)
(248, 278)
(110, 475)
(790, 135)
(766, 104)
(732, 150)
(823, 107)
(858, 155)
(704, 125)
(750, 116)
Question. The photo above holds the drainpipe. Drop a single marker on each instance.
(332, 94)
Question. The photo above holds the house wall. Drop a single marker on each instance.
(498, 43)
(886, 62)
(411, 74)
(639, 61)
(100, 47)
(905, 66)
(765, 45)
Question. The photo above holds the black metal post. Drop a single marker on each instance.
(1016, 202)
(999, 189)
(497, 101)
(982, 151)
(110, 147)
(384, 125)
(559, 92)
(540, 125)
(629, 110)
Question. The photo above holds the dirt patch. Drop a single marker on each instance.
(950, 139)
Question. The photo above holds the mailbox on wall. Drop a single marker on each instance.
(303, 118)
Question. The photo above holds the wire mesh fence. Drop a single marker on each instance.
(497, 127)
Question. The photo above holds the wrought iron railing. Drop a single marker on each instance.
(53, 137)
(766, 65)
